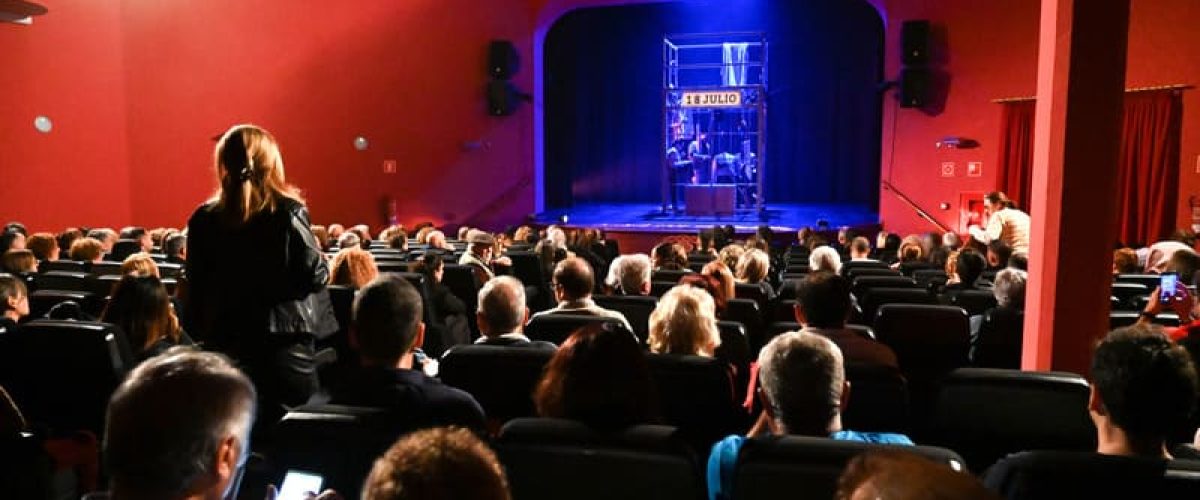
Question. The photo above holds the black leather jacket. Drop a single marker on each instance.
(250, 279)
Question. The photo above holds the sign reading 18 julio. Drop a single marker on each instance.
(712, 99)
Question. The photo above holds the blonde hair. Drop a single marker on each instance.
(753, 266)
(86, 249)
(423, 234)
(140, 264)
(20, 261)
(731, 254)
(685, 322)
(354, 267)
(250, 173)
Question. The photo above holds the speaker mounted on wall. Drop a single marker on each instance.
(914, 42)
(502, 98)
(915, 85)
(503, 61)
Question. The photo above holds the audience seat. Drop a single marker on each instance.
(122, 249)
(1150, 281)
(434, 346)
(168, 270)
(1128, 293)
(25, 468)
(61, 373)
(793, 268)
(660, 288)
(1118, 319)
(735, 350)
(502, 379)
(746, 312)
(105, 268)
(929, 341)
(863, 284)
(863, 264)
(390, 266)
(975, 302)
(636, 308)
(877, 297)
(784, 310)
(985, 414)
(70, 266)
(527, 267)
(696, 395)
(463, 283)
(41, 301)
(557, 459)
(858, 272)
(671, 275)
(102, 286)
(998, 343)
(62, 280)
(930, 277)
(557, 328)
(878, 399)
(753, 292)
(340, 443)
(774, 467)
(1045, 475)
(787, 288)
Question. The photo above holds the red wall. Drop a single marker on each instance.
(137, 90)
(991, 52)
(66, 66)
(406, 75)
(989, 49)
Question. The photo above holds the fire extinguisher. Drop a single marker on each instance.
(390, 212)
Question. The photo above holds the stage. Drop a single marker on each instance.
(648, 218)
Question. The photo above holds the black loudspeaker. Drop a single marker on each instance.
(502, 98)
(914, 42)
(914, 87)
(502, 59)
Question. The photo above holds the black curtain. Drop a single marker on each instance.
(603, 98)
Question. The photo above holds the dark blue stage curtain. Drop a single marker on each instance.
(603, 99)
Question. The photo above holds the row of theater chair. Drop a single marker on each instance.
(553, 459)
(89, 290)
(63, 372)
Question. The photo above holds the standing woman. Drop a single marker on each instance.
(1005, 223)
(257, 274)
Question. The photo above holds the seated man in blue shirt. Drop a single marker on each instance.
(802, 388)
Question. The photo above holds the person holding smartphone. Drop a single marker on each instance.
(1173, 295)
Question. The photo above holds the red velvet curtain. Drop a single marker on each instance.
(1148, 173)
(1149, 170)
(1016, 151)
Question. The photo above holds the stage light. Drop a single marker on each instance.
(564, 218)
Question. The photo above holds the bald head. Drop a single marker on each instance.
(573, 277)
(501, 306)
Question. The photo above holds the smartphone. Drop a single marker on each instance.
(297, 483)
(1166, 286)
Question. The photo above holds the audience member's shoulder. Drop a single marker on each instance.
(872, 437)
(7, 326)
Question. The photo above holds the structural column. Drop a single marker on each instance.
(1081, 78)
